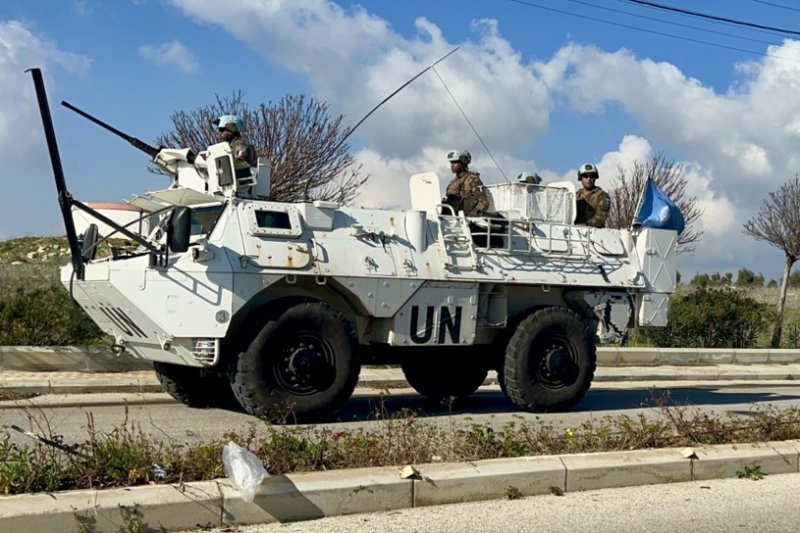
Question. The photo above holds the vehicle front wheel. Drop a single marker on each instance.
(301, 364)
(550, 361)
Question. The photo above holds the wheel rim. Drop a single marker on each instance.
(305, 364)
(556, 364)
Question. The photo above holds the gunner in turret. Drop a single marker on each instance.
(231, 128)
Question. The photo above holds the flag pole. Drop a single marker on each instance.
(641, 201)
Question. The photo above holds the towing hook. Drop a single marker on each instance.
(118, 348)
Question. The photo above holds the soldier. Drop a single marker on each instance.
(465, 191)
(529, 178)
(230, 129)
(592, 202)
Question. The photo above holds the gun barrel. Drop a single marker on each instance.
(152, 151)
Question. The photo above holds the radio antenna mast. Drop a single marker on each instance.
(406, 84)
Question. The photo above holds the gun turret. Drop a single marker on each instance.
(141, 145)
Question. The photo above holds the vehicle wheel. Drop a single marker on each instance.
(301, 364)
(444, 377)
(195, 387)
(550, 361)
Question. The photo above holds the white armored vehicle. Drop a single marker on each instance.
(279, 304)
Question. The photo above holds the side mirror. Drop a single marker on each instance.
(179, 229)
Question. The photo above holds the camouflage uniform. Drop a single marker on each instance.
(465, 192)
(244, 155)
(592, 207)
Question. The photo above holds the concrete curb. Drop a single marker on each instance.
(101, 359)
(307, 496)
(39, 383)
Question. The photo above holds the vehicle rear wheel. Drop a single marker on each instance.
(195, 387)
(550, 361)
(444, 377)
(301, 364)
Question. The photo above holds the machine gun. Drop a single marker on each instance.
(141, 145)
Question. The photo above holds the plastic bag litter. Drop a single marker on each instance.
(244, 469)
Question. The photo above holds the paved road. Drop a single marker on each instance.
(157, 415)
(727, 505)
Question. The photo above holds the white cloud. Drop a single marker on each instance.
(739, 143)
(173, 52)
(20, 50)
(22, 148)
(353, 60)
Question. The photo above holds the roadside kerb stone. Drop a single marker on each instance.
(79, 382)
(625, 469)
(306, 496)
(102, 359)
(68, 359)
(172, 506)
(310, 495)
(728, 460)
(751, 357)
(783, 357)
(488, 480)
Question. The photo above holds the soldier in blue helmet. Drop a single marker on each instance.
(231, 128)
(465, 192)
(592, 202)
(529, 178)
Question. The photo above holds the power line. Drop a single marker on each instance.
(773, 4)
(671, 23)
(651, 32)
(713, 17)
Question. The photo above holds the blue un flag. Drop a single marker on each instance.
(657, 210)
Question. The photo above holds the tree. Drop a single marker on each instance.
(627, 189)
(712, 318)
(747, 278)
(309, 156)
(778, 223)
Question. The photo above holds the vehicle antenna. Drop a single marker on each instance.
(470, 123)
(351, 130)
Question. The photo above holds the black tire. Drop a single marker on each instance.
(301, 365)
(550, 361)
(195, 387)
(444, 377)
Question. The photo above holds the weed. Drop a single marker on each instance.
(128, 456)
(556, 491)
(750, 472)
(513, 493)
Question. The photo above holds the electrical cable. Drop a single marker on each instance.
(713, 17)
(652, 32)
(672, 23)
(773, 4)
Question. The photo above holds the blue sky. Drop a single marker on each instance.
(547, 89)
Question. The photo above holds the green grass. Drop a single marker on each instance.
(35, 309)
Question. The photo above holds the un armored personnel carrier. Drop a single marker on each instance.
(278, 304)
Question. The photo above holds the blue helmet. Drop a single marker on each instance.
(232, 123)
(461, 156)
(588, 169)
(529, 177)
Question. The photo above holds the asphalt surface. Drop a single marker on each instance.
(65, 401)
